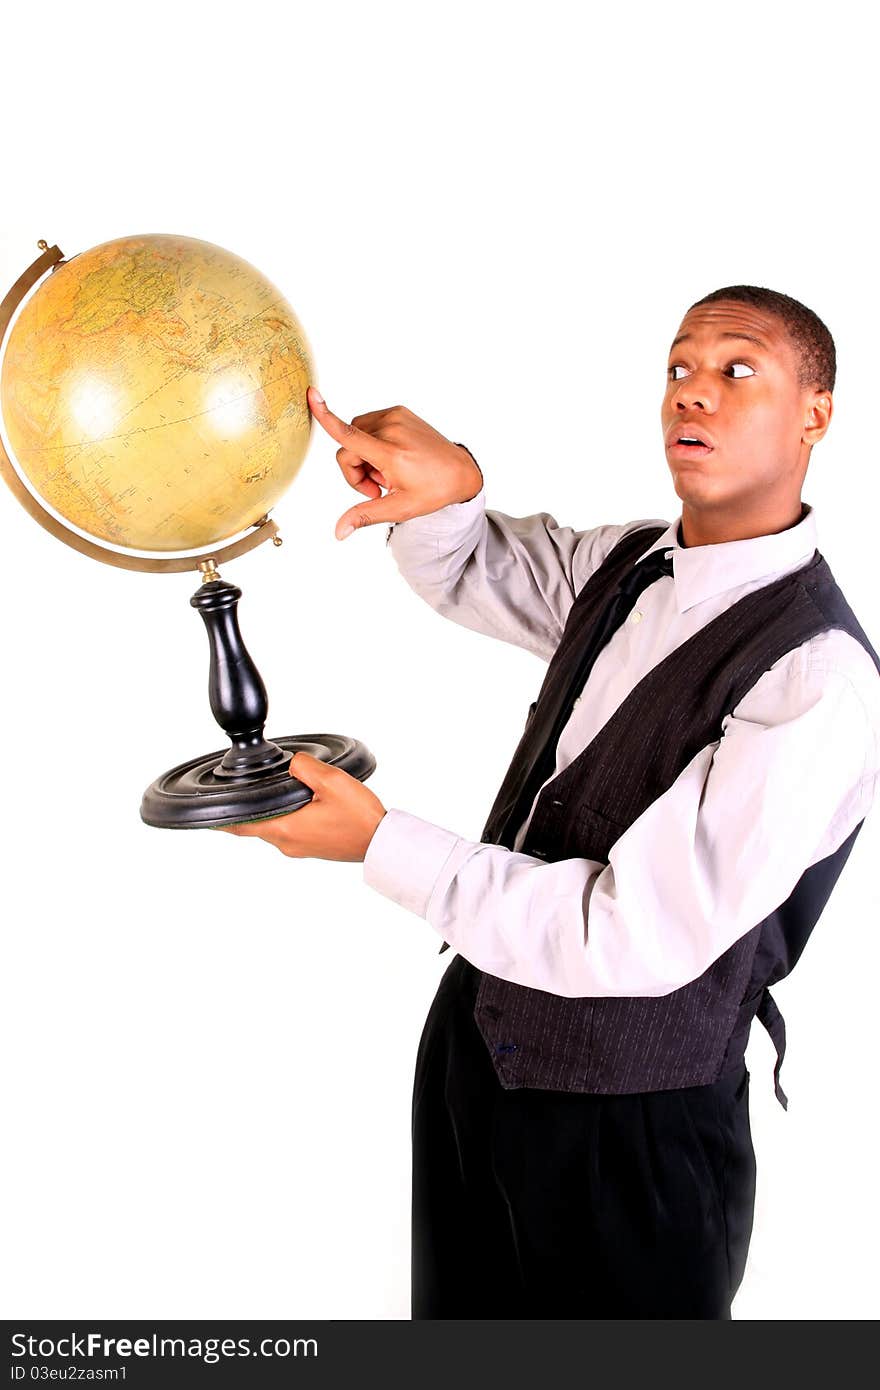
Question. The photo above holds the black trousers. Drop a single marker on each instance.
(551, 1204)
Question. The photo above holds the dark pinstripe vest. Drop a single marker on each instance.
(699, 1032)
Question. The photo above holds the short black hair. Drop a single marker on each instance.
(813, 344)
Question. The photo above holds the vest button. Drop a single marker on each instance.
(505, 1047)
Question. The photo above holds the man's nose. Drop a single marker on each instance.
(692, 393)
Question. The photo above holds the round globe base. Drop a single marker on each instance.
(192, 797)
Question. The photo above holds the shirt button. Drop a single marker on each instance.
(635, 616)
(577, 701)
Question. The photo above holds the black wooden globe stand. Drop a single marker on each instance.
(249, 780)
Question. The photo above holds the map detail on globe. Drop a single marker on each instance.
(153, 392)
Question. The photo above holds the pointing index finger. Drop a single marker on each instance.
(360, 442)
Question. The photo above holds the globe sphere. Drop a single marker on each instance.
(153, 391)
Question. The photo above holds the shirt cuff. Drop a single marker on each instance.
(405, 858)
(454, 518)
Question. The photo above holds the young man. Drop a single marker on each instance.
(688, 786)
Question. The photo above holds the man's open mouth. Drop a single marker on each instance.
(689, 444)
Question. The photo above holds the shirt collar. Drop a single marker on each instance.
(702, 571)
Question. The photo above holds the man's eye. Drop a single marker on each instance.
(674, 368)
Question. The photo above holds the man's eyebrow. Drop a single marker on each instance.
(746, 337)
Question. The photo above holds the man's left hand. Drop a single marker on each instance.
(338, 823)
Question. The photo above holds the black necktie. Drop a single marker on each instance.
(616, 611)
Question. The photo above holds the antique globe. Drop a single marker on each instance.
(153, 396)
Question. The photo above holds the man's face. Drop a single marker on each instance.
(744, 397)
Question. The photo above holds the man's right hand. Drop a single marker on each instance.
(394, 449)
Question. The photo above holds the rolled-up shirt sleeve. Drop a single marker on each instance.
(793, 773)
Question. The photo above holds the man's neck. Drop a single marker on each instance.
(701, 530)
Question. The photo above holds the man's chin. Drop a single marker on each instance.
(692, 484)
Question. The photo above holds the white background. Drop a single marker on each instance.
(496, 215)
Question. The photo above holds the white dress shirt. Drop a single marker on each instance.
(794, 771)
